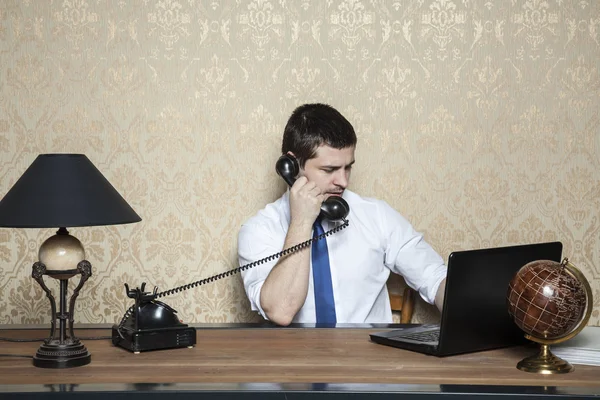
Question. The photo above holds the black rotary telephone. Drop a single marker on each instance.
(152, 325)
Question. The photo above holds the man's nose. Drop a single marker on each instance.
(341, 178)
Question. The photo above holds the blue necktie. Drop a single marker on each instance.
(324, 303)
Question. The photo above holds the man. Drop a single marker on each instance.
(357, 260)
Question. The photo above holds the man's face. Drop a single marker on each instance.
(330, 169)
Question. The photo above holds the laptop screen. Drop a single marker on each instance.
(475, 310)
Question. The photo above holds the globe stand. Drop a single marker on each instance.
(545, 363)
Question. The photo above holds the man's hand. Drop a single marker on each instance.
(439, 296)
(305, 202)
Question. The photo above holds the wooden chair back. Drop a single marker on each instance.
(402, 301)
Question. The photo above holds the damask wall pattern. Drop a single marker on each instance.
(477, 120)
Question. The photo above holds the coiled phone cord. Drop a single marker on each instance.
(234, 271)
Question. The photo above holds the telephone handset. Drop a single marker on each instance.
(152, 325)
(335, 208)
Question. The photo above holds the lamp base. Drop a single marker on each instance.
(53, 354)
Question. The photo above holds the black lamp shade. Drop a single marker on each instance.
(63, 190)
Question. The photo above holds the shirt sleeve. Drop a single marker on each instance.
(409, 255)
(256, 242)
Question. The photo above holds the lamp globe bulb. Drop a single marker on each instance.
(61, 252)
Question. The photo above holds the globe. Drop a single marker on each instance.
(551, 302)
(544, 300)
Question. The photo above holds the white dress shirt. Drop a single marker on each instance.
(378, 240)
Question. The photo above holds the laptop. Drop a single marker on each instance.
(475, 316)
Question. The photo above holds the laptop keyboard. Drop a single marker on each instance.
(425, 336)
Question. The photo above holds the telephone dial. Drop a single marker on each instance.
(152, 325)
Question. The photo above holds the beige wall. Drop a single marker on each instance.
(477, 120)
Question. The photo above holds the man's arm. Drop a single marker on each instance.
(284, 292)
(285, 289)
(439, 296)
(407, 254)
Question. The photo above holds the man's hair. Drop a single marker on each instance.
(313, 125)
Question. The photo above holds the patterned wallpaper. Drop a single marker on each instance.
(478, 120)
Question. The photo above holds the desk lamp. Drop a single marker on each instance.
(60, 191)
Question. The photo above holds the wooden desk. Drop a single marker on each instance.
(283, 361)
